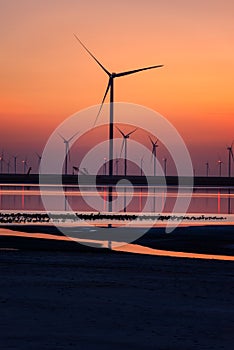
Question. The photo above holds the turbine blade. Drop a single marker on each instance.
(103, 100)
(131, 132)
(90, 53)
(62, 137)
(121, 132)
(136, 70)
(151, 141)
(86, 171)
(73, 136)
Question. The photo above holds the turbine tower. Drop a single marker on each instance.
(220, 167)
(2, 161)
(142, 161)
(124, 145)
(15, 163)
(67, 150)
(230, 158)
(25, 164)
(165, 166)
(110, 86)
(154, 149)
(207, 169)
(38, 160)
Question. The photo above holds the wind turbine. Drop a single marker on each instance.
(39, 160)
(220, 162)
(110, 86)
(8, 166)
(67, 151)
(154, 148)
(230, 158)
(207, 169)
(15, 163)
(1, 160)
(142, 161)
(25, 164)
(124, 145)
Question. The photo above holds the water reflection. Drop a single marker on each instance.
(129, 199)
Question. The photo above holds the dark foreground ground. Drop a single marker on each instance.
(99, 300)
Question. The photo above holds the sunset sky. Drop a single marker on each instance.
(46, 75)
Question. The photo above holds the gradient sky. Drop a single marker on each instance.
(46, 76)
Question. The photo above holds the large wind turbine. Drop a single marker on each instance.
(110, 86)
(230, 158)
(67, 151)
(154, 149)
(124, 145)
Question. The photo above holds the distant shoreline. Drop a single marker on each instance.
(53, 179)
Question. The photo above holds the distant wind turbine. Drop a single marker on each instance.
(207, 169)
(142, 161)
(110, 86)
(8, 166)
(230, 158)
(1, 160)
(165, 166)
(38, 160)
(67, 149)
(25, 164)
(15, 163)
(154, 149)
(124, 145)
(220, 162)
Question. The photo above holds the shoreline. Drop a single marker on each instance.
(209, 239)
(56, 179)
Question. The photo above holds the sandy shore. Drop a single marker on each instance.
(55, 296)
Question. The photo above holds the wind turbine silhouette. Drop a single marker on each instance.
(154, 149)
(220, 162)
(124, 145)
(15, 163)
(230, 158)
(67, 149)
(110, 86)
(142, 161)
(39, 160)
(25, 164)
(2, 161)
(207, 169)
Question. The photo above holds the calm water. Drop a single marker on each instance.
(138, 199)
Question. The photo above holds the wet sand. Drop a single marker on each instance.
(55, 296)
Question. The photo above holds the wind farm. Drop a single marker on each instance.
(116, 175)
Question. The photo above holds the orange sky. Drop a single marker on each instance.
(46, 76)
